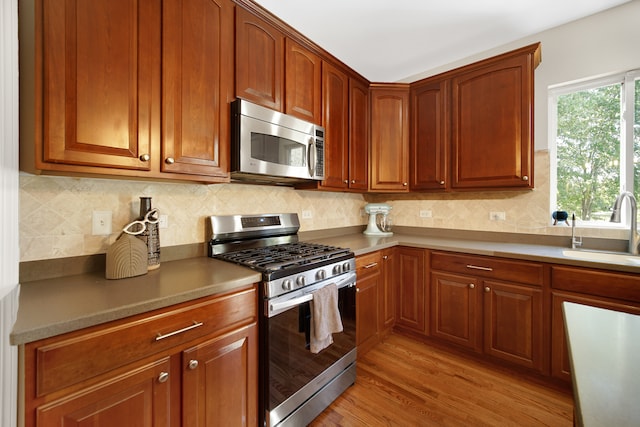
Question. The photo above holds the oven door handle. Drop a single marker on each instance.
(285, 305)
(276, 307)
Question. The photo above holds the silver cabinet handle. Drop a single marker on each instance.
(373, 264)
(169, 160)
(193, 364)
(179, 331)
(477, 267)
(145, 157)
(163, 377)
(471, 286)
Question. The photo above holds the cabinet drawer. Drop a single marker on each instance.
(77, 356)
(594, 282)
(368, 264)
(489, 267)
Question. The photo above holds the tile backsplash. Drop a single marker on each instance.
(56, 212)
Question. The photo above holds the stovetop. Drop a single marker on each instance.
(285, 256)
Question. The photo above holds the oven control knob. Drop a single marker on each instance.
(300, 281)
(346, 267)
(337, 269)
(321, 275)
(287, 285)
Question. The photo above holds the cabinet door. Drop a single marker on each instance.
(197, 72)
(387, 290)
(455, 309)
(367, 306)
(513, 323)
(335, 115)
(390, 138)
(259, 61)
(303, 83)
(430, 136)
(139, 396)
(492, 125)
(358, 135)
(220, 378)
(100, 79)
(560, 365)
(411, 290)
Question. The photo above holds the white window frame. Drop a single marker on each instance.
(627, 117)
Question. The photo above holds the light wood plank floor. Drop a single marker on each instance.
(403, 382)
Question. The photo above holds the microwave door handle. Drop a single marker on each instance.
(311, 157)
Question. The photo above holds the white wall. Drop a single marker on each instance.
(9, 252)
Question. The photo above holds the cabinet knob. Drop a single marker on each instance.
(357, 289)
(169, 160)
(193, 364)
(487, 289)
(163, 377)
(471, 286)
(525, 178)
(353, 181)
(144, 157)
(441, 182)
(385, 257)
(404, 184)
(346, 181)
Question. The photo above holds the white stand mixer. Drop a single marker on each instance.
(375, 227)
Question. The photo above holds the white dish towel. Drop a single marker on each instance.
(325, 317)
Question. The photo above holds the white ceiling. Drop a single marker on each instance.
(390, 40)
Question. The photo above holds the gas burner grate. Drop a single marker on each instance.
(283, 256)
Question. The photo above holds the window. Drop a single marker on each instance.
(595, 145)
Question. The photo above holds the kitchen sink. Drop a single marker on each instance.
(597, 256)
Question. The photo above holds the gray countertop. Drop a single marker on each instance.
(55, 306)
(603, 347)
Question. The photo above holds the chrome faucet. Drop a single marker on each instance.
(634, 238)
(575, 241)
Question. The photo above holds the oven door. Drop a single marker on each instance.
(291, 373)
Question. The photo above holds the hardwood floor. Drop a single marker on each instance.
(403, 382)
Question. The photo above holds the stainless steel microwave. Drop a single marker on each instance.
(272, 147)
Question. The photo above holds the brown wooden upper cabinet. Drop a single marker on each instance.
(275, 71)
(472, 128)
(303, 82)
(345, 105)
(389, 138)
(259, 61)
(197, 86)
(430, 135)
(93, 101)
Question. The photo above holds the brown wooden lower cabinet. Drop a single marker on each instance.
(137, 371)
(474, 306)
(597, 288)
(368, 301)
(412, 308)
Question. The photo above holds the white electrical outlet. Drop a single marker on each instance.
(163, 221)
(426, 214)
(101, 223)
(307, 215)
(497, 216)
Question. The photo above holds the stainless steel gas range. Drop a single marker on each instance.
(296, 384)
